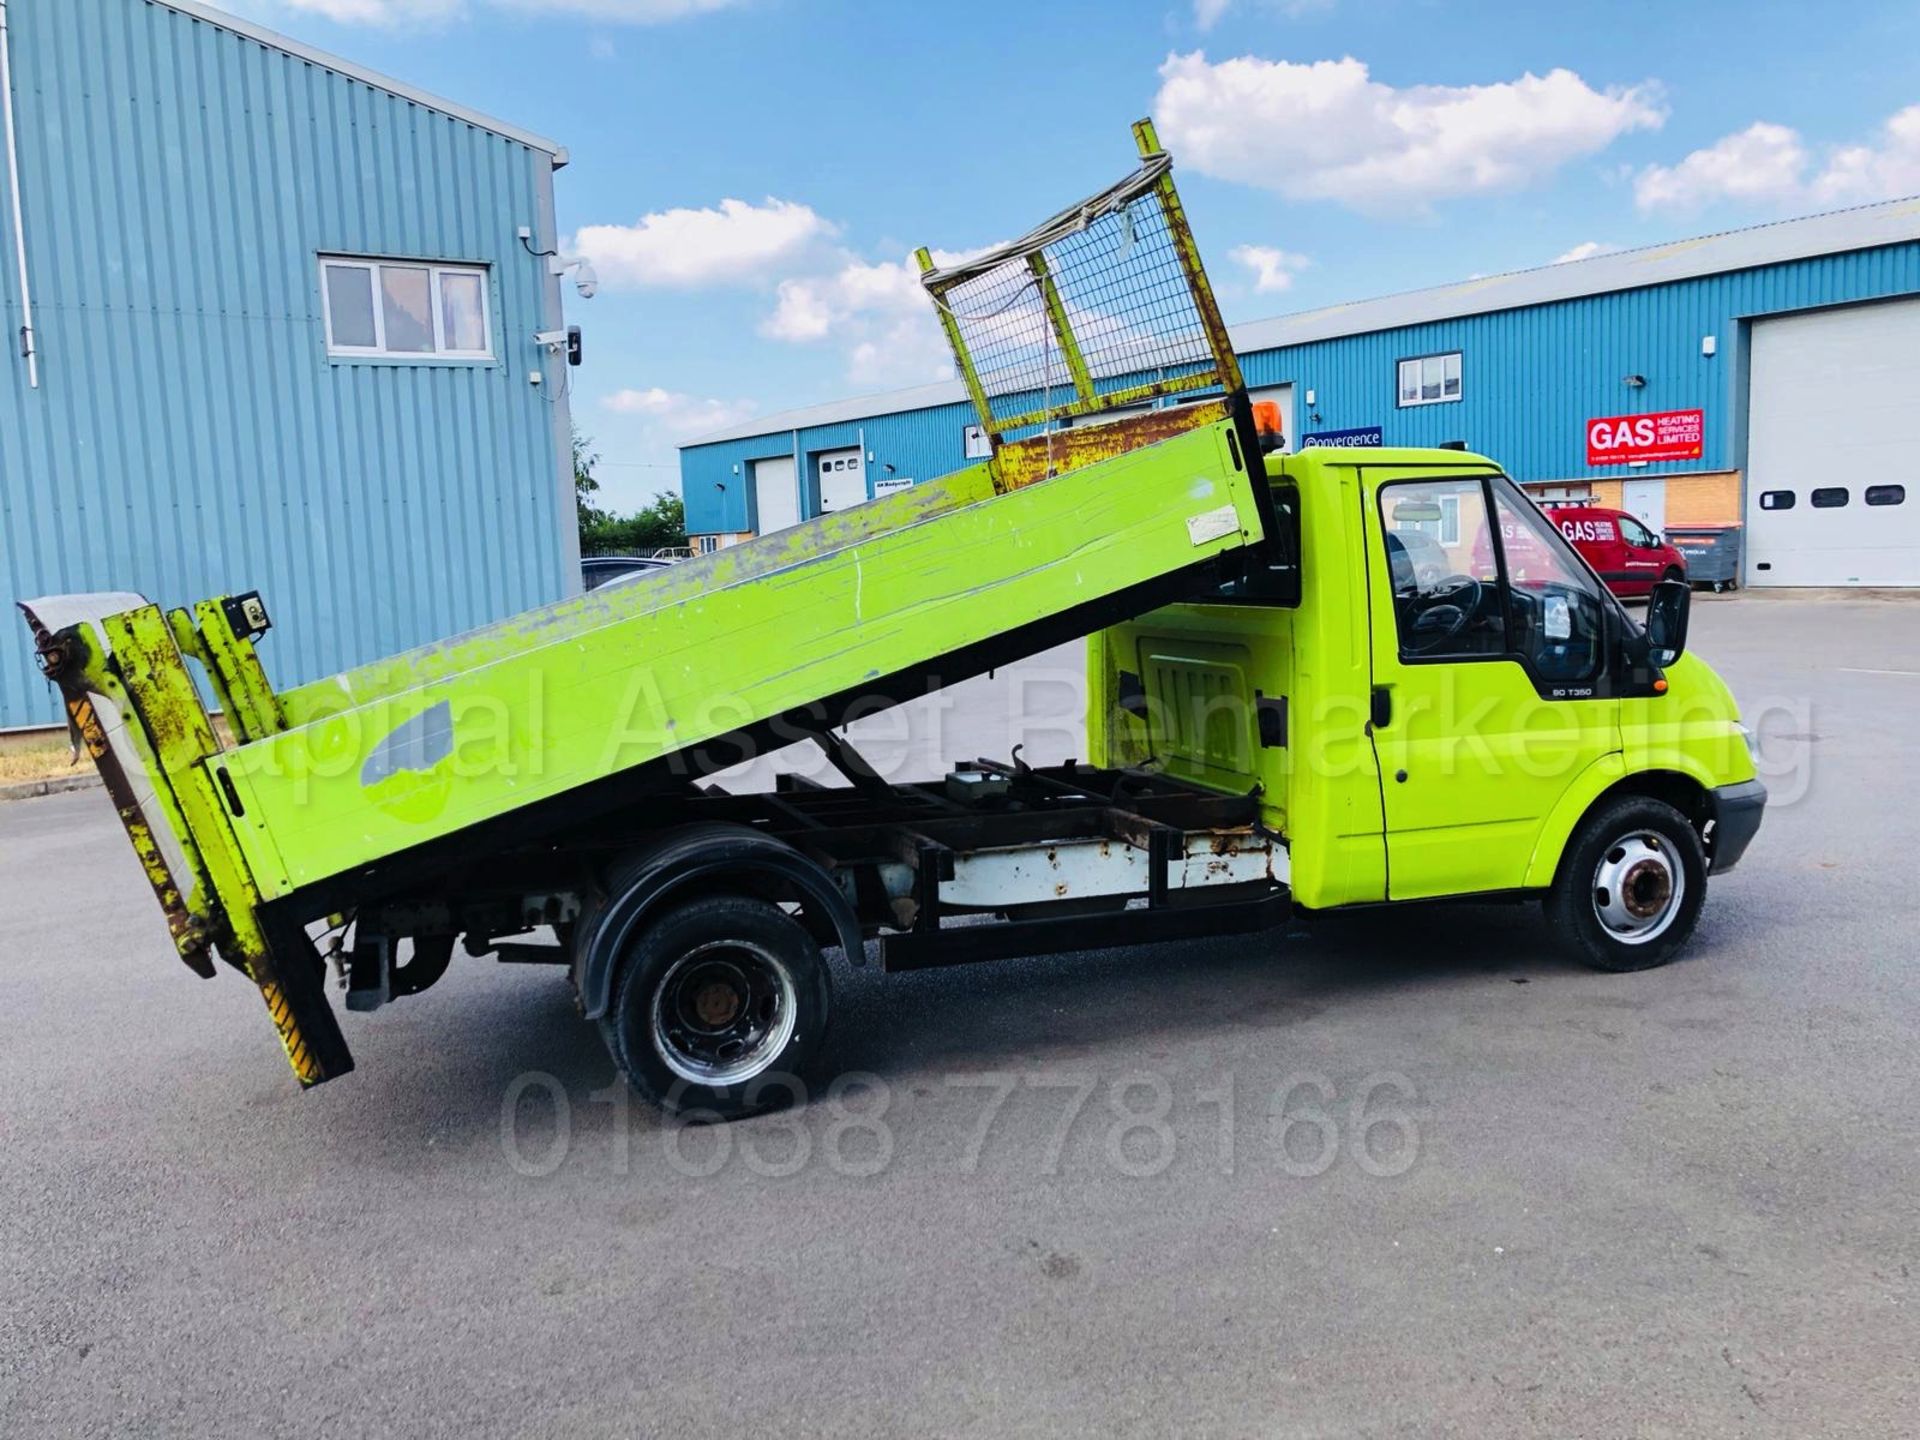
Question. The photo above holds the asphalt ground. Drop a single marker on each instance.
(1410, 1173)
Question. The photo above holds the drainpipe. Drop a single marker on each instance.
(13, 185)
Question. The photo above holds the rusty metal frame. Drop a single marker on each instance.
(232, 664)
(1188, 250)
(1062, 327)
(74, 662)
(216, 905)
(962, 356)
(1154, 178)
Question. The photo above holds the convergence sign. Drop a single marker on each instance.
(1666, 435)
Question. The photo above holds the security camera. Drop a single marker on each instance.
(585, 278)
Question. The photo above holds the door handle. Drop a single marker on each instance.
(1382, 713)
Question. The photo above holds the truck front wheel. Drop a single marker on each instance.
(1630, 886)
(720, 1008)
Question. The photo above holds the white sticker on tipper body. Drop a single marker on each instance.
(1558, 619)
(1212, 524)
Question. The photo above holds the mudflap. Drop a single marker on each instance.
(293, 981)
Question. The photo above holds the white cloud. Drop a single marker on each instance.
(684, 249)
(1328, 130)
(1856, 174)
(878, 310)
(1273, 270)
(675, 415)
(1772, 165)
(908, 352)
(811, 307)
(1585, 250)
(1762, 164)
(804, 311)
(418, 12)
(1207, 13)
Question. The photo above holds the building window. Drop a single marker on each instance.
(978, 447)
(1430, 379)
(1886, 495)
(405, 310)
(1776, 499)
(1829, 497)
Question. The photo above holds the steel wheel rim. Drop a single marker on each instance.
(1638, 887)
(723, 1012)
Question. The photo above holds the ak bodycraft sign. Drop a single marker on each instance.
(1665, 435)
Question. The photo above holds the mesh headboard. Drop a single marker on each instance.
(1105, 305)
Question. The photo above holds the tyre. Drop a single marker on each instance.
(1675, 573)
(1630, 886)
(720, 1009)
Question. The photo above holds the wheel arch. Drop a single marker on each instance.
(1605, 781)
(690, 862)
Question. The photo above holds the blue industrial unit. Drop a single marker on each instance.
(281, 328)
(1524, 363)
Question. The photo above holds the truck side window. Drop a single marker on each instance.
(1555, 603)
(1636, 534)
(1441, 561)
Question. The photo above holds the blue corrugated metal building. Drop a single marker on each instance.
(281, 327)
(1794, 341)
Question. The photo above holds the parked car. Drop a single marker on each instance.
(599, 570)
(1627, 555)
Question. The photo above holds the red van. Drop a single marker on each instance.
(1621, 549)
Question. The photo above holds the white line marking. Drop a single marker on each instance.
(1850, 670)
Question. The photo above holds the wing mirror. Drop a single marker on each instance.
(1668, 608)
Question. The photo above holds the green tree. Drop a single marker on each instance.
(585, 487)
(661, 524)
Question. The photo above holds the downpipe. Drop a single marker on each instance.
(27, 347)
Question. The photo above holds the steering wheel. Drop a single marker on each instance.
(1446, 611)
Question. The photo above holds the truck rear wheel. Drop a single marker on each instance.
(1631, 886)
(720, 1008)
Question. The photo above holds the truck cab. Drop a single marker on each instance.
(1434, 695)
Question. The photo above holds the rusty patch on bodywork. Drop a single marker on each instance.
(1024, 462)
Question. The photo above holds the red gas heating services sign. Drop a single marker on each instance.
(1666, 435)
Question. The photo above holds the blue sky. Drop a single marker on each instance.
(749, 176)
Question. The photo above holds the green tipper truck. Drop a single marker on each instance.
(1329, 679)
